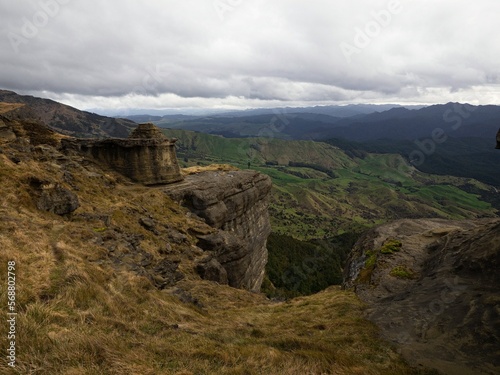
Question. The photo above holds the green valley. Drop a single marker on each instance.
(319, 191)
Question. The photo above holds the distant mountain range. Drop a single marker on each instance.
(331, 110)
(454, 119)
(354, 122)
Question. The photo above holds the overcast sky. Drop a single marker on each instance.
(250, 53)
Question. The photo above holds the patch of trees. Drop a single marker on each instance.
(471, 157)
(299, 174)
(316, 167)
(305, 267)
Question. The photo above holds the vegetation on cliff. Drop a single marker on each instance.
(430, 285)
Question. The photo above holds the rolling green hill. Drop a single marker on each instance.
(257, 151)
(465, 147)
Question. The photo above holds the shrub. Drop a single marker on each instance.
(304, 267)
(365, 274)
(403, 272)
(391, 246)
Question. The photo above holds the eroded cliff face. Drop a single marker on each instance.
(236, 204)
(432, 287)
(146, 156)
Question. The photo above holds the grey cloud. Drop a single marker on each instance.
(187, 51)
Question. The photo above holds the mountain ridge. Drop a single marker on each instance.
(66, 119)
(454, 118)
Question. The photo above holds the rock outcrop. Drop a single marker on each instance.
(432, 287)
(146, 156)
(58, 200)
(236, 204)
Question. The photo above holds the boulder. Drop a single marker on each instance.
(211, 269)
(58, 200)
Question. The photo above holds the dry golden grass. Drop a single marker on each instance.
(78, 313)
(208, 168)
(7, 107)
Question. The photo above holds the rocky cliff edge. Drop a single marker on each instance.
(234, 202)
(432, 288)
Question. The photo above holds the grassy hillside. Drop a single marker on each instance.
(88, 301)
(196, 146)
(7, 107)
(319, 191)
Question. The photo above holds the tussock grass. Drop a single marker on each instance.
(403, 272)
(208, 168)
(80, 313)
(391, 246)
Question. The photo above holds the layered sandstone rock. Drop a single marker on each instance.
(146, 156)
(236, 203)
(435, 294)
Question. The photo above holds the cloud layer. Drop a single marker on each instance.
(241, 53)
